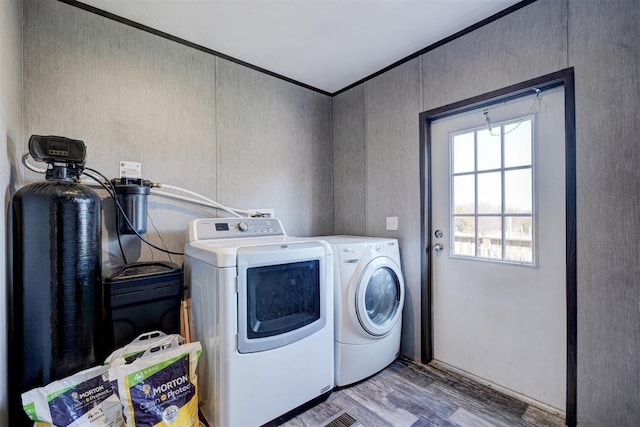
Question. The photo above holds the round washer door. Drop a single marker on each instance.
(380, 296)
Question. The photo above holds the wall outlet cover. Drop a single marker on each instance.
(392, 223)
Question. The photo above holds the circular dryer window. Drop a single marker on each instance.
(379, 296)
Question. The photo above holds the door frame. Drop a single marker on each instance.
(563, 78)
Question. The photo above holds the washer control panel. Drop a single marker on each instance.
(231, 228)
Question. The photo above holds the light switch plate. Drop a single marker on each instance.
(392, 223)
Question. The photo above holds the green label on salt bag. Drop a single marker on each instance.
(30, 410)
(141, 375)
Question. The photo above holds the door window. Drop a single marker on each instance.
(492, 197)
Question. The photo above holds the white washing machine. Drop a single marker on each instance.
(262, 304)
(369, 297)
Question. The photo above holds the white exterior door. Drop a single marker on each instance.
(498, 276)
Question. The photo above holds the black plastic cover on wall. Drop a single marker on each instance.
(143, 297)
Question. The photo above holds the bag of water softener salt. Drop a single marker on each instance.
(140, 344)
(160, 388)
(83, 399)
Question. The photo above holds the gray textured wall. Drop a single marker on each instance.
(274, 148)
(392, 168)
(10, 144)
(130, 96)
(193, 120)
(349, 167)
(601, 39)
(526, 44)
(604, 48)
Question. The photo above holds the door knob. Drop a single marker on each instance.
(438, 248)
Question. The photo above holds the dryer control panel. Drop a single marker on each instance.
(233, 228)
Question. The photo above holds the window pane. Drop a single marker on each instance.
(490, 237)
(517, 144)
(517, 191)
(463, 153)
(464, 194)
(464, 235)
(490, 193)
(518, 238)
(489, 149)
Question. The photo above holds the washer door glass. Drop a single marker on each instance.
(379, 299)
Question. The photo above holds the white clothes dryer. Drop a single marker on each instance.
(262, 305)
(369, 297)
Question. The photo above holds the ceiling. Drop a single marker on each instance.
(325, 44)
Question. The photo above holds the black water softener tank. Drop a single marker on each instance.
(55, 305)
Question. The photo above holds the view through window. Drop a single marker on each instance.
(492, 197)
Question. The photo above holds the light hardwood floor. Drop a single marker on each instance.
(411, 394)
